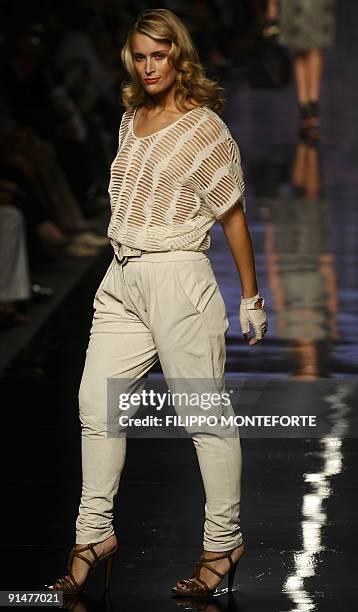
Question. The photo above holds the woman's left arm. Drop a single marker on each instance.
(239, 239)
(238, 236)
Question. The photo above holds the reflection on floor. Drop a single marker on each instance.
(298, 508)
(305, 252)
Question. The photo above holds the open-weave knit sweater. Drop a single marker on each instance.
(168, 189)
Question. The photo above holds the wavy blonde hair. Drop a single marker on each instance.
(165, 26)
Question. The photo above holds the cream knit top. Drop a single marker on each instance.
(167, 189)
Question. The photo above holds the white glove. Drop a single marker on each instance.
(256, 316)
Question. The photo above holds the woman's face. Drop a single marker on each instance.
(150, 59)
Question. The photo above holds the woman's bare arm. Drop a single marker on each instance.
(239, 239)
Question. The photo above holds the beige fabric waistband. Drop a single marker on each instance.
(125, 254)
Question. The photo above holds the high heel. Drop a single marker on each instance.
(68, 584)
(108, 571)
(202, 589)
(309, 124)
(231, 576)
(309, 114)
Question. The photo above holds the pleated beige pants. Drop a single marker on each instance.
(164, 306)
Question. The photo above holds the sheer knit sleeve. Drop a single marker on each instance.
(219, 177)
(123, 128)
(115, 173)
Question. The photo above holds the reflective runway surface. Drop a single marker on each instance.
(299, 494)
(302, 213)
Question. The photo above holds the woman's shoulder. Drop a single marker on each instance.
(212, 125)
(128, 113)
(125, 119)
(192, 104)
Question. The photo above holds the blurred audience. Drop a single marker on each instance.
(59, 115)
(55, 149)
(15, 287)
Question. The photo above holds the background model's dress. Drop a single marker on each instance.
(307, 24)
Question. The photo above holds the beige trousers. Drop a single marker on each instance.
(152, 306)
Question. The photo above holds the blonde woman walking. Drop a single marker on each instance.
(177, 171)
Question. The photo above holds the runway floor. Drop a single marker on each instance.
(298, 493)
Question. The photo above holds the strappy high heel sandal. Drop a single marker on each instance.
(68, 585)
(193, 589)
(309, 124)
(309, 115)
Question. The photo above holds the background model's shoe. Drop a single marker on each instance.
(309, 115)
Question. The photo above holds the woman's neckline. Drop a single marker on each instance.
(162, 129)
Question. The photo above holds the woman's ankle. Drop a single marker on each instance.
(102, 541)
(213, 553)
